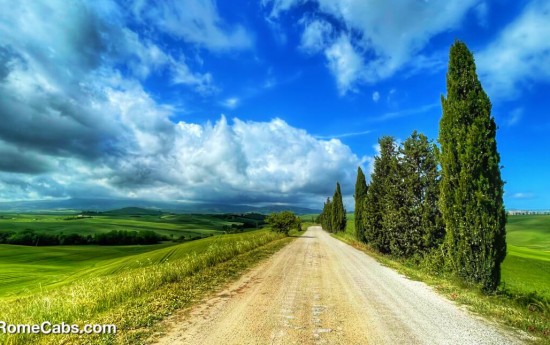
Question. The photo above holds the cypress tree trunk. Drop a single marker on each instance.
(361, 190)
(471, 186)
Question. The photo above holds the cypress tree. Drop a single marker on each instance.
(423, 229)
(338, 211)
(374, 205)
(396, 208)
(326, 216)
(361, 189)
(471, 186)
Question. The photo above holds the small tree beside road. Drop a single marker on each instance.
(283, 221)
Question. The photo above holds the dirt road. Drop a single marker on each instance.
(318, 290)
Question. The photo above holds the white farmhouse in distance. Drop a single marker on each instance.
(527, 212)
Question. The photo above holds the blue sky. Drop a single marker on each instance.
(254, 101)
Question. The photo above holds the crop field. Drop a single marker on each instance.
(28, 269)
(169, 225)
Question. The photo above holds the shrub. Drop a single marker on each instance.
(283, 222)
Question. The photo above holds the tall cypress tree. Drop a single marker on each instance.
(361, 189)
(377, 195)
(326, 216)
(471, 186)
(396, 208)
(338, 211)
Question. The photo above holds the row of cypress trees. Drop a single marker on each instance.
(398, 213)
(446, 202)
(333, 216)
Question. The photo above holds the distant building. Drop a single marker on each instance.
(527, 212)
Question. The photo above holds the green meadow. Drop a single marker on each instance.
(133, 290)
(132, 286)
(25, 269)
(189, 225)
(527, 265)
(28, 269)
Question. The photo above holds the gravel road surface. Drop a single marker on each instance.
(318, 290)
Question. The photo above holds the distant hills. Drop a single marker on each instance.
(133, 211)
(129, 206)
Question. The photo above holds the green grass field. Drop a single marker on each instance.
(25, 269)
(310, 217)
(189, 225)
(526, 268)
(131, 286)
(28, 269)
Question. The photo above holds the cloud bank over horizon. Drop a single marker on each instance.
(73, 124)
(251, 102)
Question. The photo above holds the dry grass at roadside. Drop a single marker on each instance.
(136, 300)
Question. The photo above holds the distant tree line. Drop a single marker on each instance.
(242, 222)
(115, 237)
(333, 216)
(442, 206)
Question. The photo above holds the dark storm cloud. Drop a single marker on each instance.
(7, 58)
(20, 186)
(44, 72)
(19, 161)
(58, 70)
(48, 124)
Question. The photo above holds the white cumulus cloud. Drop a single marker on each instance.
(520, 55)
(92, 129)
(240, 162)
(345, 63)
(316, 35)
(195, 21)
(231, 102)
(388, 35)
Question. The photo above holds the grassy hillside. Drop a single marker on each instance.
(171, 225)
(134, 291)
(310, 217)
(530, 231)
(527, 265)
(125, 211)
(25, 269)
